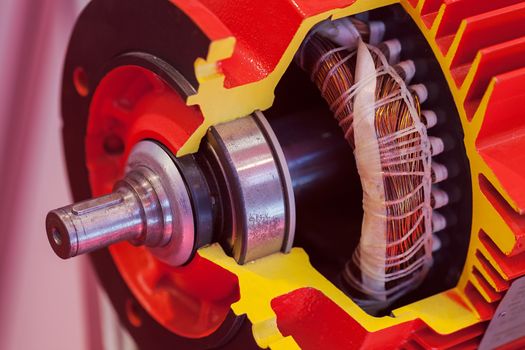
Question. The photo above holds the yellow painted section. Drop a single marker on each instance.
(263, 280)
(484, 216)
(486, 275)
(219, 104)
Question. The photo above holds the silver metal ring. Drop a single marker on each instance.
(174, 201)
(286, 178)
(259, 194)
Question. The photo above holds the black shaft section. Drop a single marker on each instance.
(319, 158)
(327, 187)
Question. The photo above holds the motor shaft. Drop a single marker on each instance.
(235, 190)
(87, 226)
(133, 212)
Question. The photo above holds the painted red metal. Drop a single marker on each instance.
(502, 136)
(129, 105)
(488, 35)
(511, 266)
(316, 322)
(456, 11)
(485, 30)
(429, 339)
(431, 6)
(495, 60)
(263, 29)
(514, 220)
(500, 284)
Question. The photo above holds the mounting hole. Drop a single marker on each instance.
(80, 80)
(57, 236)
(113, 145)
(132, 313)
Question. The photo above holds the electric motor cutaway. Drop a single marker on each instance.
(256, 177)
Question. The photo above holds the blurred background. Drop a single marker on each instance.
(45, 303)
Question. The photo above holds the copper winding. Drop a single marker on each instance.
(332, 69)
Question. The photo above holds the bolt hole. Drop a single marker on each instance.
(125, 104)
(57, 237)
(132, 312)
(80, 80)
(113, 145)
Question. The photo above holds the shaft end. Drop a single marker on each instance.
(61, 233)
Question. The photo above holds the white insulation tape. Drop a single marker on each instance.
(373, 243)
(376, 158)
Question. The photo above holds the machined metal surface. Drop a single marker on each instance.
(150, 206)
(96, 223)
(286, 179)
(259, 195)
(179, 217)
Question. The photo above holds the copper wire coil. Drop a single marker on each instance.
(332, 69)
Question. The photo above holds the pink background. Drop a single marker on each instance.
(42, 298)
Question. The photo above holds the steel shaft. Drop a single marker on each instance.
(132, 212)
(150, 206)
(96, 223)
